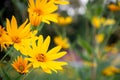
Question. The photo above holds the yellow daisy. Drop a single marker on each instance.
(4, 39)
(39, 55)
(60, 1)
(16, 33)
(64, 20)
(63, 42)
(110, 70)
(42, 11)
(21, 65)
(99, 38)
(114, 7)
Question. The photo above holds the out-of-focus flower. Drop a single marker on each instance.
(16, 33)
(63, 42)
(60, 1)
(109, 22)
(39, 55)
(42, 11)
(111, 49)
(64, 20)
(90, 64)
(21, 65)
(99, 38)
(96, 22)
(4, 39)
(110, 70)
(114, 7)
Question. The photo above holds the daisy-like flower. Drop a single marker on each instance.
(60, 1)
(42, 11)
(64, 20)
(110, 70)
(114, 7)
(4, 39)
(63, 42)
(21, 65)
(39, 55)
(17, 34)
(99, 38)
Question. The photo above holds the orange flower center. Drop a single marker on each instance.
(38, 12)
(16, 39)
(41, 58)
(21, 68)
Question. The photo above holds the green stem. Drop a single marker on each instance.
(63, 32)
(56, 30)
(39, 28)
(27, 74)
(8, 52)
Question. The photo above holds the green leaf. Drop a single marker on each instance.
(85, 45)
(5, 74)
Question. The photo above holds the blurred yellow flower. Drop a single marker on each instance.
(21, 65)
(63, 42)
(111, 70)
(96, 22)
(39, 55)
(4, 39)
(64, 20)
(60, 1)
(114, 7)
(90, 64)
(99, 38)
(42, 11)
(109, 22)
(16, 33)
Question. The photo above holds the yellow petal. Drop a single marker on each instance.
(45, 45)
(54, 50)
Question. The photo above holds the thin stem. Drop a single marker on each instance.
(39, 28)
(9, 51)
(27, 74)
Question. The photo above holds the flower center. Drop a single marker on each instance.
(41, 58)
(21, 68)
(16, 39)
(38, 12)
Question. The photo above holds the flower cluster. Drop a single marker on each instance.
(26, 40)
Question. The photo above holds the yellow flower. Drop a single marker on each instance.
(63, 42)
(96, 22)
(109, 22)
(99, 38)
(16, 33)
(111, 70)
(114, 7)
(39, 56)
(21, 65)
(60, 1)
(64, 20)
(42, 11)
(4, 39)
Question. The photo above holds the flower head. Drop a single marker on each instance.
(4, 39)
(99, 38)
(21, 65)
(63, 42)
(114, 7)
(16, 33)
(96, 22)
(60, 1)
(64, 20)
(39, 56)
(111, 70)
(42, 11)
